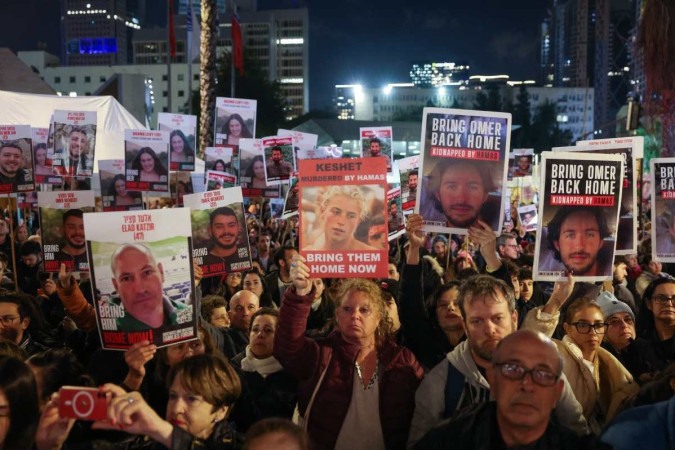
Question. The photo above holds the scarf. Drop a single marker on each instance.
(264, 367)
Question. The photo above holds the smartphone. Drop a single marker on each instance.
(83, 403)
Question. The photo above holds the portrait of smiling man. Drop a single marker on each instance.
(74, 252)
(226, 240)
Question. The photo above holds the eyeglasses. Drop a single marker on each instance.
(617, 322)
(8, 320)
(663, 299)
(585, 327)
(516, 372)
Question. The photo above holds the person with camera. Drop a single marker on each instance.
(203, 388)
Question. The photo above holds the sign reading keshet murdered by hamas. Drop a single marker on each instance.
(16, 159)
(341, 199)
(141, 264)
(632, 149)
(62, 226)
(578, 216)
(219, 231)
(463, 168)
(663, 209)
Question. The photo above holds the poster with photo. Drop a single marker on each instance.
(663, 209)
(114, 194)
(252, 170)
(16, 159)
(146, 158)
(141, 266)
(291, 199)
(198, 182)
(222, 159)
(182, 130)
(276, 208)
(62, 229)
(377, 142)
(74, 143)
(464, 168)
(527, 215)
(218, 180)
(180, 184)
(578, 216)
(395, 221)
(235, 119)
(409, 172)
(632, 149)
(341, 200)
(279, 159)
(219, 231)
(522, 162)
(42, 157)
(301, 141)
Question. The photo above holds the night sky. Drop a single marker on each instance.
(372, 42)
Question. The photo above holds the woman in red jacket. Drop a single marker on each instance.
(357, 386)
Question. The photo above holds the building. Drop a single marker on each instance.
(98, 32)
(279, 39)
(574, 105)
(431, 74)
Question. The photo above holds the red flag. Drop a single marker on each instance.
(172, 32)
(237, 48)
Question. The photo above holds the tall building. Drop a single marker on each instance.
(98, 32)
(545, 54)
(278, 39)
(428, 74)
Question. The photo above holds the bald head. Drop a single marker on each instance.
(532, 343)
(121, 252)
(243, 305)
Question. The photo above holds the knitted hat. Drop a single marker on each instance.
(439, 237)
(610, 305)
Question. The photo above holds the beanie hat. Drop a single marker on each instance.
(610, 305)
(439, 237)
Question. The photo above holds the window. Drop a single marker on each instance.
(57, 80)
(87, 79)
(102, 79)
(181, 77)
(195, 77)
(165, 94)
(165, 77)
(72, 79)
(181, 93)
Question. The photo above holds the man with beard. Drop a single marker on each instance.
(575, 235)
(456, 193)
(278, 168)
(489, 314)
(395, 218)
(375, 151)
(412, 184)
(225, 230)
(18, 314)
(72, 161)
(11, 173)
(74, 253)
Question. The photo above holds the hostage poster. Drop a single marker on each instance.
(114, 194)
(632, 149)
(464, 169)
(219, 231)
(182, 130)
(377, 142)
(62, 226)
(74, 143)
(235, 119)
(146, 157)
(42, 158)
(141, 265)
(578, 216)
(663, 209)
(341, 201)
(252, 170)
(279, 159)
(409, 171)
(16, 159)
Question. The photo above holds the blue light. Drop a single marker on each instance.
(92, 46)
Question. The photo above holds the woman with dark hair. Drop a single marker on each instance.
(148, 165)
(202, 389)
(268, 390)
(182, 188)
(656, 320)
(219, 166)
(367, 379)
(19, 407)
(55, 368)
(235, 129)
(256, 173)
(118, 191)
(181, 150)
(322, 314)
(252, 281)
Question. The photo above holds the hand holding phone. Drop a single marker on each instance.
(83, 403)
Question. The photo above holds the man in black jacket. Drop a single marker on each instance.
(278, 281)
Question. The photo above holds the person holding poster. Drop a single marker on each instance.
(139, 279)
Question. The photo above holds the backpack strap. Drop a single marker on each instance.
(454, 386)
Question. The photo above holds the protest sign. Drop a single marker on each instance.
(521, 163)
(252, 170)
(528, 217)
(235, 119)
(340, 200)
(409, 170)
(62, 227)
(141, 269)
(395, 221)
(219, 231)
(663, 209)
(578, 216)
(42, 157)
(146, 156)
(182, 130)
(377, 142)
(217, 180)
(222, 159)
(180, 184)
(16, 159)
(74, 143)
(464, 169)
(114, 194)
(301, 141)
(279, 159)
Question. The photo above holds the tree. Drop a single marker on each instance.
(545, 132)
(494, 98)
(207, 74)
(481, 103)
(522, 117)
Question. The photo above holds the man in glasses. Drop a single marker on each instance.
(525, 379)
(488, 311)
(508, 247)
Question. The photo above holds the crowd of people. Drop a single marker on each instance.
(458, 348)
